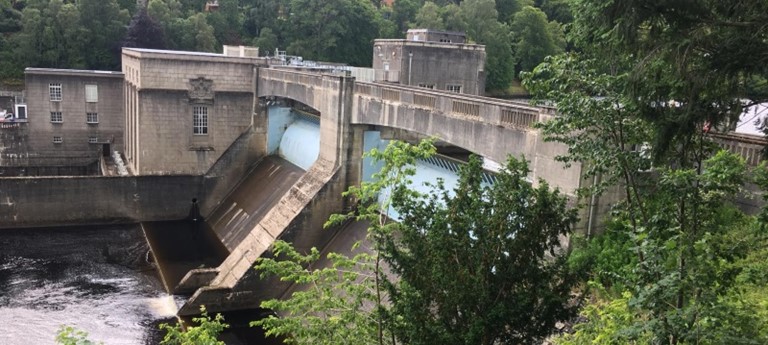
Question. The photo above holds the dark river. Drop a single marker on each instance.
(96, 279)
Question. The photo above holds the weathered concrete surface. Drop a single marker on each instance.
(300, 213)
(490, 127)
(74, 130)
(48, 201)
(259, 192)
(162, 89)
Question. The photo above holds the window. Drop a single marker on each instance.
(453, 88)
(92, 118)
(93, 140)
(55, 92)
(91, 93)
(56, 117)
(445, 40)
(427, 86)
(200, 120)
(57, 140)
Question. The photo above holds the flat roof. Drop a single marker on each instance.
(174, 52)
(73, 72)
(188, 56)
(468, 46)
(458, 33)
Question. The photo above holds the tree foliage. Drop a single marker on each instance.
(633, 100)
(144, 32)
(534, 38)
(480, 264)
(205, 331)
(449, 260)
(68, 335)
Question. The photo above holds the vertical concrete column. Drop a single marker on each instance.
(137, 135)
(336, 115)
(126, 112)
(259, 120)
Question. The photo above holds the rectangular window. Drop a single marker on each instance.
(453, 88)
(427, 86)
(92, 118)
(56, 117)
(92, 140)
(91, 93)
(54, 90)
(57, 140)
(200, 120)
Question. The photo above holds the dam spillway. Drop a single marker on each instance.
(252, 199)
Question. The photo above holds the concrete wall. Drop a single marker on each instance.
(164, 87)
(168, 144)
(489, 127)
(49, 201)
(75, 149)
(435, 36)
(431, 64)
(301, 212)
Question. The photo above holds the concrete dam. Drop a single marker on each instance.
(263, 172)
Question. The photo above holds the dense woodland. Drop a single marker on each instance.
(88, 34)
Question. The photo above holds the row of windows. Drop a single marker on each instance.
(91, 140)
(451, 88)
(92, 118)
(91, 92)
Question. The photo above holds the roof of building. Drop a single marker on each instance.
(458, 33)
(431, 44)
(187, 55)
(77, 72)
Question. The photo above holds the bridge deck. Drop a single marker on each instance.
(261, 190)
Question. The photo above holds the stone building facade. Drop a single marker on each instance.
(73, 116)
(423, 60)
(184, 107)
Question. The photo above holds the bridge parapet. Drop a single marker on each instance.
(294, 77)
(483, 109)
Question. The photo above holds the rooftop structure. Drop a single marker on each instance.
(431, 59)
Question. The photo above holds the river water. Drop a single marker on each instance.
(96, 279)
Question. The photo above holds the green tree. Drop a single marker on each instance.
(333, 304)
(689, 53)
(344, 303)
(453, 254)
(403, 14)
(456, 251)
(201, 34)
(10, 21)
(453, 19)
(429, 16)
(482, 26)
(144, 32)
(227, 22)
(556, 10)
(105, 25)
(70, 336)
(534, 38)
(508, 8)
(205, 332)
(338, 31)
(626, 99)
(267, 42)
